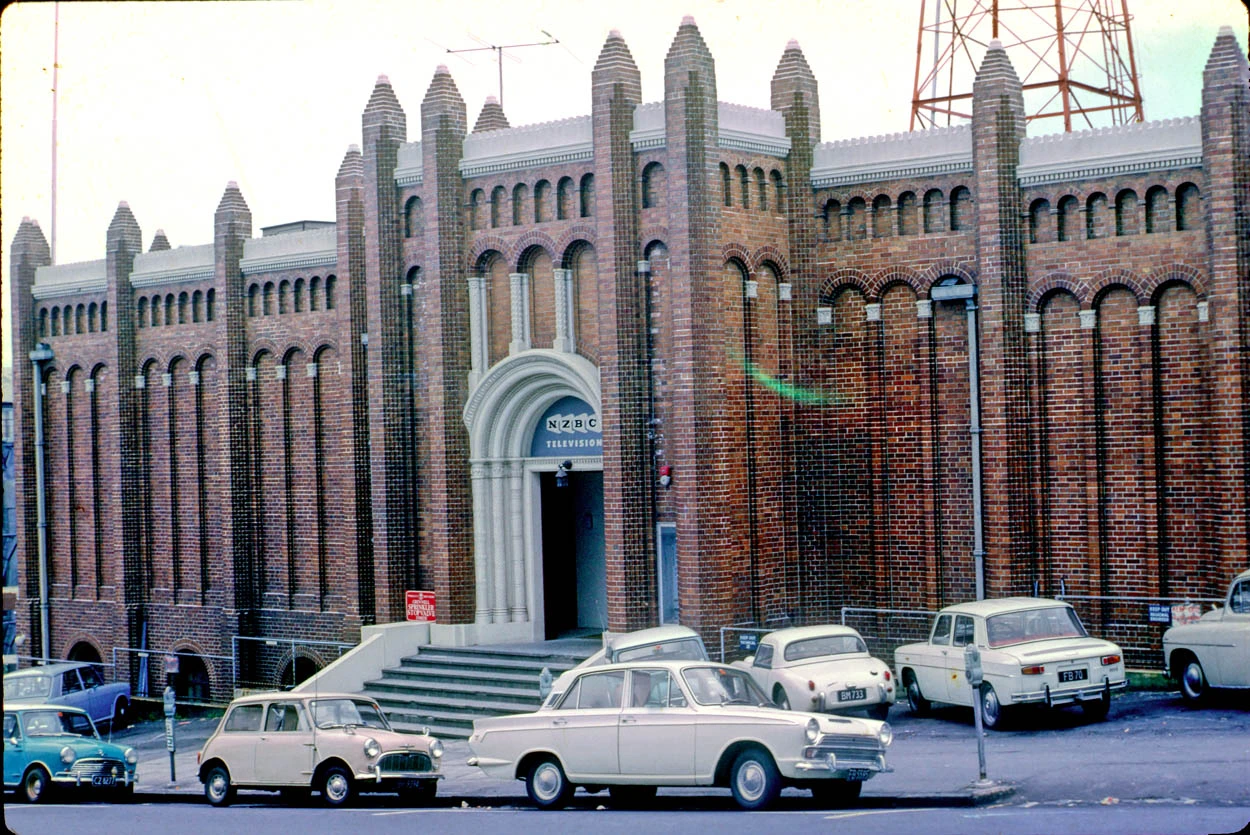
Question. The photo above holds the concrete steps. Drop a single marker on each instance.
(446, 688)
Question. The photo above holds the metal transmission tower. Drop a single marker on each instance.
(1074, 57)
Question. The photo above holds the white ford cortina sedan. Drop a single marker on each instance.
(636, 726)
(1033, 651)
(1214, 651)
(338, 744)
(821, 669)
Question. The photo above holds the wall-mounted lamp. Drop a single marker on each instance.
(666, 475)
(562, 473)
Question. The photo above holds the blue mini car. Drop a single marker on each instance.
(51, 747)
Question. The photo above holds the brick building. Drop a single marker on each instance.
(887, 372)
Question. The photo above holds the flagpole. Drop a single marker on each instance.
(56, 55)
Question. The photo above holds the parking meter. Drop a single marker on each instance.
(972, 665)
(170, 744)
(170, 707)
(544, 683)
(972, 669)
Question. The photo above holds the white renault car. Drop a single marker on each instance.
(1214, 651)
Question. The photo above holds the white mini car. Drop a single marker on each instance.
(636, 726)
(1033, 651)
(821, 669)
(338, 744)
(670, 642)
(1215, 651)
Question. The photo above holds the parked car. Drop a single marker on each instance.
(74, 684)
(821, 669)
(49, 747)
(635, 726)
(674, 642)
(1033, 651)
(338, 744)
(1214, 651)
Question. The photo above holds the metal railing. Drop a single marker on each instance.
(885, 630)
(149, 682)
(274, 651)
(1126, 621)
(42, 661)
(738, 652)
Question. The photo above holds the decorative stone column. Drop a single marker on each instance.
(518, 612)
(478, 356)
(566, 339)
(481, 541)
(520, 313)
(499, 549)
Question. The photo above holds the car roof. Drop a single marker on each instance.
(1245, 575)
(668, 632)
(799, 633)
(667, 664)
(23, 707)
(998, 606)
(48, 669)
(271, 695)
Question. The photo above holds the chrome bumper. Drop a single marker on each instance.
(1088, 692)
(833, 765)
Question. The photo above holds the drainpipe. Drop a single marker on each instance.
(968, 292)
(41, 354)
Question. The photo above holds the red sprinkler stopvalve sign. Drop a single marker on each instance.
(420, 605)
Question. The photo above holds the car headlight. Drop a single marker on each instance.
(436, 749)
(886, 734)
(131, 755)
(372, 749)
(813, 731)
(67, 755)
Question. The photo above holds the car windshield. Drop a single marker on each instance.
(336, 713)
(27, 687)
(1033, 625)
(686, 649)
(824, 645)
(57, 723)
(723, 686)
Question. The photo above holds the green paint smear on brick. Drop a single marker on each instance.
(793, 391)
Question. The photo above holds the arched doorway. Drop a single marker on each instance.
(84, 651)
(297, 670)
(192, 683)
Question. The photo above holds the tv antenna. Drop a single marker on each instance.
(498, 50)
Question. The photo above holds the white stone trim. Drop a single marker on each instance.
(520, 291)
(282, 263)
(65, 387)
(249, 373)
(1032, 323)
(193, 377)
(872, 312)
(824, 316)
(167, 380)
(751, 289)
(566, 315)
(1204, 311)
(141, 382)
(1146, 315)
(89, 386)
(1089, 318)
(785, 291)
(279, 372)
(924, 308)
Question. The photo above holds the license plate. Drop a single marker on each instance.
(854, 694)
(103, 780)
(860, 774)
(1073, 675)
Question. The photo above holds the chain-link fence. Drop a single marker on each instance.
(1136, 623)
(280, 663)
(885, 630)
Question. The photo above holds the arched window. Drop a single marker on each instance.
(413, 220)
(104, 316)
(197, 306)
(252, 293)
(779, 203)
(833, 220)
(1039, 221)
(314, 293)
(564, 198)
(68, 313)
(299, 295)
(654, 184)
(267, 299)
(475, 208)
(933, 214)
(1187, 207)
(93, 317)
(184, 302)
(1126, 212)
(588, 196)
(1096, 216)
(744, 186)
(329, 292)
(726, 185)
(80, 319)
(857, 215)
(156, 311)
(169, 309)
(43, 322)
(497, 196)
(961, 209)
(542, 201)
(284, 297)
(56, 321)
(1069, 219)
(520, 194)
(881, 219)
(1156, 209)
(907, 213)
(761, 186)
(210, 302)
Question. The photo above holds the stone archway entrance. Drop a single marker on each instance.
(538, 568)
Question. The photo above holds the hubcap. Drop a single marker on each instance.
(336, 787)
(547, 781)
(34, 786)
(989, 705)
(751, 781)
(217, 785)
(913, 696)
(1193, 679)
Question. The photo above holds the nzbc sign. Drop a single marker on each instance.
(568, 427)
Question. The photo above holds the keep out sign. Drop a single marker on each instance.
(419, 605)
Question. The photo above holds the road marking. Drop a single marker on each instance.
(849, 815)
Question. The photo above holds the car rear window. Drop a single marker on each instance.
(824, 645)
(686, 649)
(27, 687)
(1033, 625)
(244, 718)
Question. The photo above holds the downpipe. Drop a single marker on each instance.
(41, 354)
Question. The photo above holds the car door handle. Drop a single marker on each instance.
(559, 722)
(628, 720)
(310, 745)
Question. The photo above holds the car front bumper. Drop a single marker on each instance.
(1069, 695)
(87, 772)
(846, 757)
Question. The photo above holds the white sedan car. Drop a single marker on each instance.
(633, 727)
(1215, 651)
(671, 642)
(821, 669)
(1033, 651)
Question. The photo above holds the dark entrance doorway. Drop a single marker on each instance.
(574, 574)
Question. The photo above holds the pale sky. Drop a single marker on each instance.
(162, 103)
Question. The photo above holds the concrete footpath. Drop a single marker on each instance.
(912, 784)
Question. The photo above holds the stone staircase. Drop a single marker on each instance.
(446, 688)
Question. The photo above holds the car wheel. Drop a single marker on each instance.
(547, 786)
(36, 785)
(1096, 710)
(835, 793)
(991, 708)
(336, 786)
(780, 699)
(916, 702)
(880, 712)
(418, 792)
(217, 786)
(1193, 682)
(754, 780)
(626, 797)
(121, 713)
